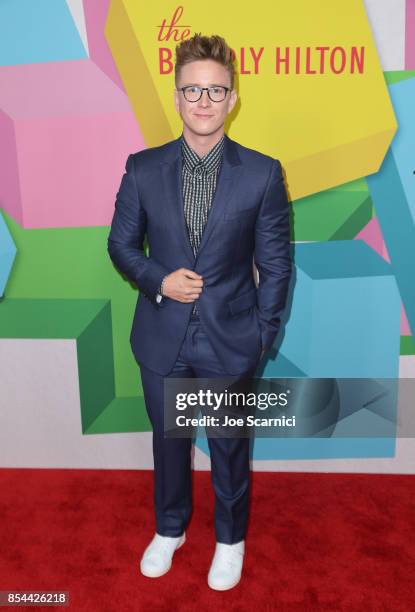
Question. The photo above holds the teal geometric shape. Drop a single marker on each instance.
(7, 254)
(344, 318)
(38, 31)
(393, 193)
(276, 365)
(340, 259)
(343, 322)
(337, 448)
(361, 429)
(274, 449)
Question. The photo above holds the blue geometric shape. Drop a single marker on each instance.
(7, 254)
(344, 320)
(366, 421)
(272, 449)
(393, 193)
(38, 31)
(337, 448)
(278, 367)
(348, 436)
(339, 259)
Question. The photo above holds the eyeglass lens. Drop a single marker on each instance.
(193, 93)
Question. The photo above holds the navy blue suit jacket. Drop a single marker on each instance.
(249, 218)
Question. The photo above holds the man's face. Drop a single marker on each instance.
(204, 117)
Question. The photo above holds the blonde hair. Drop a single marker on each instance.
(200, 47)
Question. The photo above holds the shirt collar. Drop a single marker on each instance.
(208, 163)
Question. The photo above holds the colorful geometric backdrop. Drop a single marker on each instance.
(328, 90)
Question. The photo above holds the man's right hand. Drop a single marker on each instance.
(183, 285)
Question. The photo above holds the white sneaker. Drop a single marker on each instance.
(226, 568)
(157, 557)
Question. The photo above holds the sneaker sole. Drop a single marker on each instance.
(157, 575)
(224, 588)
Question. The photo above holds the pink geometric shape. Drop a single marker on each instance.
(410, 35)
(372, 235)
(405, 329)
(65, 133)
(99, 51)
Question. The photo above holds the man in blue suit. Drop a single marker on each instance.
(209, 207)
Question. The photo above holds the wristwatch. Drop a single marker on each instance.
(159, 294)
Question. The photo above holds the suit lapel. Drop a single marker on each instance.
(226, 183)
(172, 182)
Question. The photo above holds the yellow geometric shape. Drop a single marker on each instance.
(312, 91)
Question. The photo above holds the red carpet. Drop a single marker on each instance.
(315, 542)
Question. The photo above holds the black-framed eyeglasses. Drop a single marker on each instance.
(193, 93)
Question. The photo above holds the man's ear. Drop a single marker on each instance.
(176, 99)
(233, 99)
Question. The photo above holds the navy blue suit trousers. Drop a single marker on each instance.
(230, 467)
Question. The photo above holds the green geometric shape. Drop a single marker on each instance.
(395, 76)
(356, 185)
(334, 214)
(74, 263)
(122, 415)
(407, 345)
(88, 322)
(7, 254)
(46, 318)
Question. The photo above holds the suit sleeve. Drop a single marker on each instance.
(126, 237)
(272, 255)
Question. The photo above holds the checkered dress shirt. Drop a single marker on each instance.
(199, 176)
